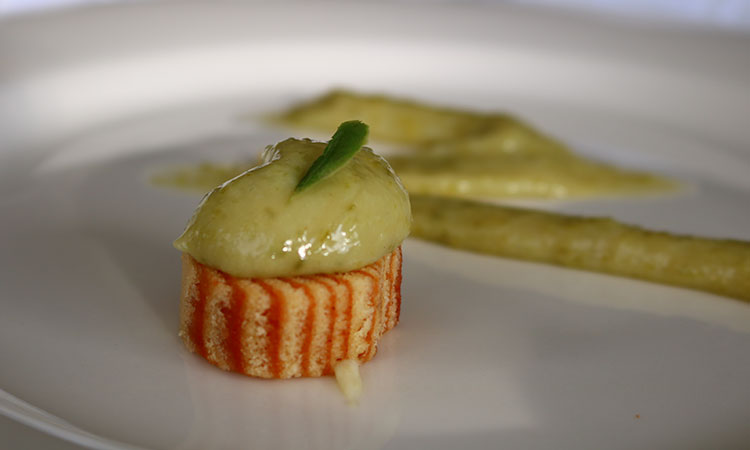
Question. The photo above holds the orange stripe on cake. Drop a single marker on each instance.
(198, 320)
(347, 323)
(274, 328)
(397, 294)
(372, 300)
(332, 317)
(307, 330)
(234, 317)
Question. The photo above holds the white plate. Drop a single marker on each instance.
(489, 352)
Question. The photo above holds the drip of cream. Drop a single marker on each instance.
(348, 379)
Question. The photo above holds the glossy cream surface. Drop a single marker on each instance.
(255, 225)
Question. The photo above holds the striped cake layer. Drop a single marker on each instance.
(288, 327)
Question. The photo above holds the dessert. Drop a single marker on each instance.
(282, 282)
(466, 154)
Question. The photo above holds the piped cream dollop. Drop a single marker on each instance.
(255, 225)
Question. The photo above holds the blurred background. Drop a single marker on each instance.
(729, 14)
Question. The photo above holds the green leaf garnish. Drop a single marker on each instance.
(346, 141)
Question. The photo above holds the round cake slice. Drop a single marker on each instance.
(279, 282)
(292, 326)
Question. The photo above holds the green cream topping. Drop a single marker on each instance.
(255, 225)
